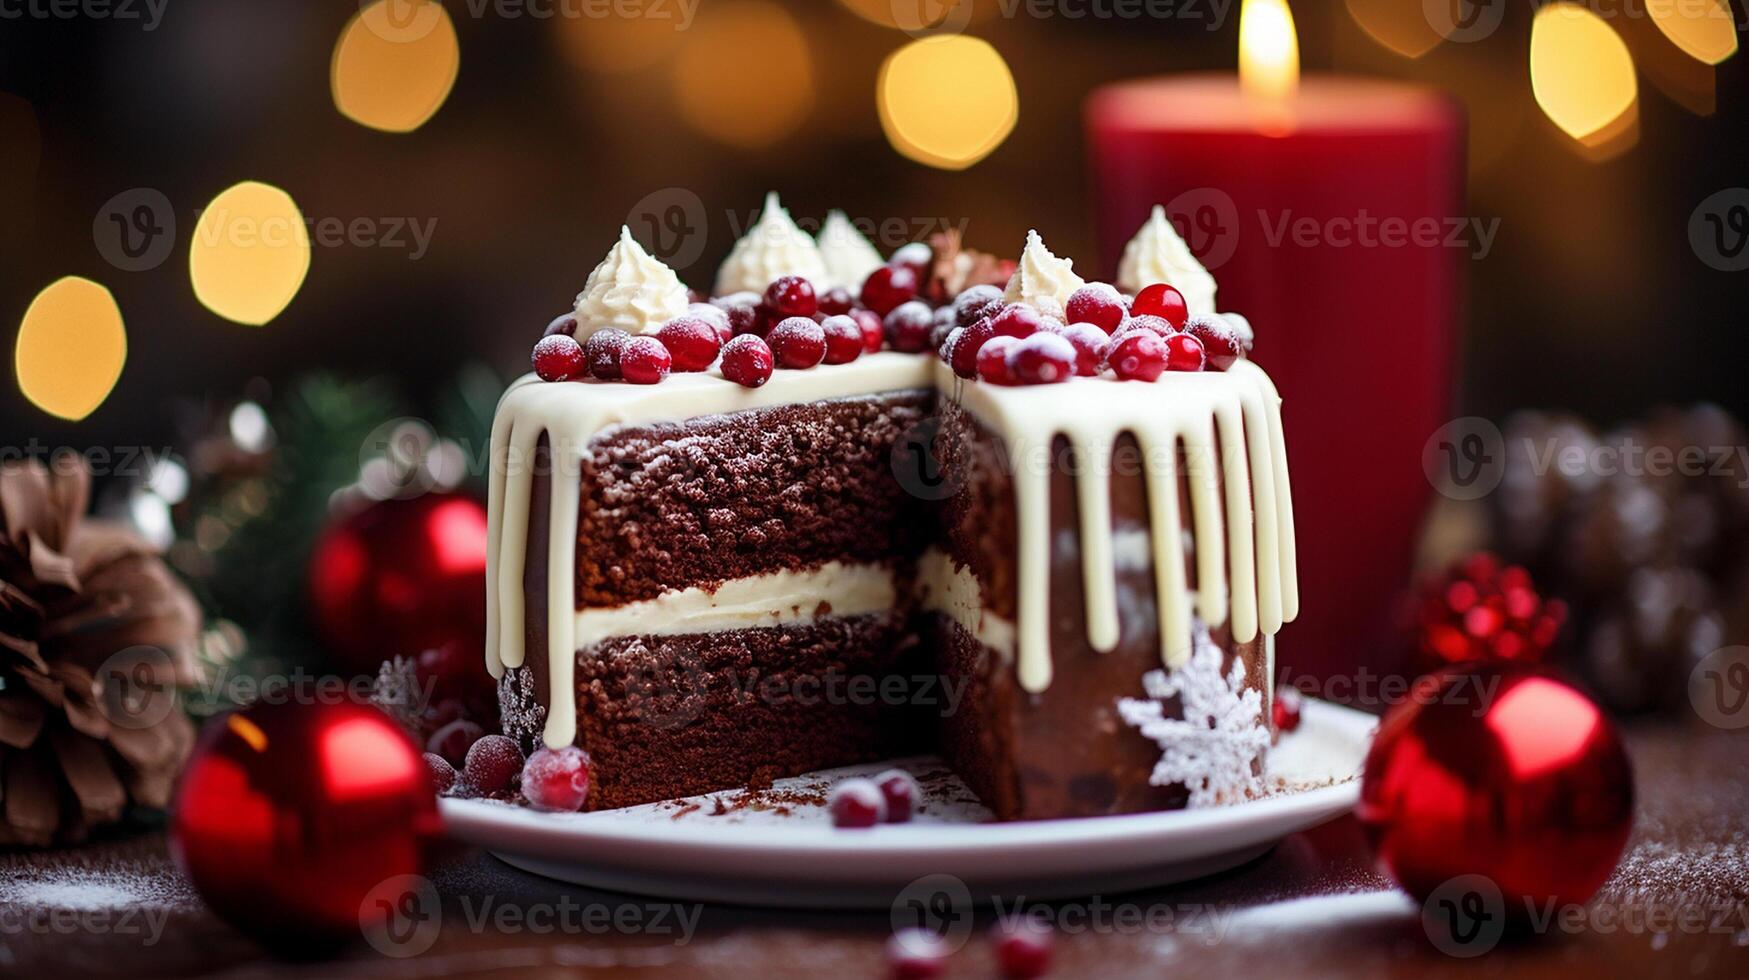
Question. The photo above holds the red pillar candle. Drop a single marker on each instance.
(1331, 218)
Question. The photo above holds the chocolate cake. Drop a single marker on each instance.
(1063, 573)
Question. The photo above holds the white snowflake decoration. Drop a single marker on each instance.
(1210, 750)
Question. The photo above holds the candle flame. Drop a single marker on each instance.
(1269, 50)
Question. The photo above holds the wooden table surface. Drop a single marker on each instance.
(1677, 906)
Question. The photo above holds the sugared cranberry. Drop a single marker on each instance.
(558, 358)
(452, 741)
(993, 360)
(442, 773)
(492, 762)
(915, 256)
(908, 327)
(1023, 948)
(747, 361)
(889, 286)
(1137, 355)
(916, 954)
(692, 343)
(1162, 301)
(976, 303)
(1147, 321)
(603, 349)
(836, 300)
(797, 342)
(565, 323)
(716, 316)
(965, 351)
(1286, 709)
(1089, 342)
(1184, 353)
(943, 323)
(900, 793)
(644, 361)
(745, 319)
(843, 338)
(1017, 321)
(856, 802)
(1219, 340)
(789, 296)
(1041, 359)
(1097, 303)
(556, 779)
(874, 331)
(945, 351)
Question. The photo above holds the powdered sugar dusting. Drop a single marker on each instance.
(96, 889)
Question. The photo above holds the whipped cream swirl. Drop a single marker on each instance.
(773, 247)
(848, 256)
(631, 289)
(1158, 254)
(1041, 280)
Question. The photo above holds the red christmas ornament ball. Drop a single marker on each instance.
(290, 815)
(400, 577)
(1503, 772)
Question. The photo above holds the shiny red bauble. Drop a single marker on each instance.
(399, 577)
(290, 815)
(1502, 772)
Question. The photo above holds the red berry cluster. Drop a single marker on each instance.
(890, 797)
(493, 767)
(1483, 610)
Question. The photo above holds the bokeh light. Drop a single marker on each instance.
(643, 37)
(1581, 73)
(1269, 50)
(920, 15)
(71, 348)
(1402, 27)
(1705, 30)
(745, 77)
(394, 64)
(947, 101)
(249, 253)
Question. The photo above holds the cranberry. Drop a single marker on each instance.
(908, 327)
(1184, 353)
(1018, 320)
(644, 361)
(717, 317)
(1096, 303)
(747, 361)
(915, 256)
(492, 762)
(1285, 712)
(942, 324)
(1163, 301)
(1219, 340)
(692, 344)
(945, 351)
(976, 303)
(887, 287)
(1137, 355)
(1089, 341)
(1042, 359)
(900, 793)
(856, 802)
(965, 352)
(558, 358)
(843, 338)
(791, 296)
(442, 773)
(916, 954)
(836, 300)
(565, 323)
(993, 360)
(874, 332)
(1147, 321)
(797, 342)
(745, 319)
(1023, 949)
(603, 349)
(556, 779)
(452, 741)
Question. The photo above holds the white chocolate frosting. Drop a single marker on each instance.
(1041, 280)
(1158, 254)
(631, 289)
(849, 257)
(773, 247)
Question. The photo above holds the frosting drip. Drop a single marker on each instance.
(631, 290)
(773, 247)
(1042, 280)
(848, 256)
(1158, 254)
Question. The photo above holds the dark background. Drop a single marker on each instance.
(1591, 298)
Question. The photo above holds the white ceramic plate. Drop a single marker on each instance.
(778, 847)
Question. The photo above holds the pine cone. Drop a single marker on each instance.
(95, 636)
